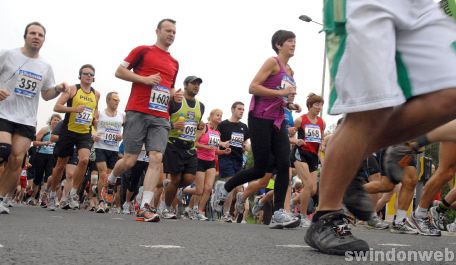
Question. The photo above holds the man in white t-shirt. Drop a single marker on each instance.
(107, 140)
(24, 75)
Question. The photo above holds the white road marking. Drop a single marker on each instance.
(117, 218)
(1, 245)
(160, 246)
(394, 245)
(293, 246)
(56, 216)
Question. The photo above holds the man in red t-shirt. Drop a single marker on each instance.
(147, 119)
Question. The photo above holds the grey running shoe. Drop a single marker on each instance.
(168, 214)
(31, 202)
(101, 207)
(65, 204)
(451, 227)
(227, 218)
(305, 223)
(240, 203)
(201, 217)
(331, 235)
(44, 200)
(438, 219)
(403, 227)
(74, 201)
(423, 226)
(8, 202)
(281, 219)
(257, 206)
(220, 193)
(215, 206)
(126, 208)
(377, 223)
(3, 208)
(51, 203)
(357, 200)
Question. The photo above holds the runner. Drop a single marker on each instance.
(81, 105)
(24, 76)
(180, 159)
(147, 118)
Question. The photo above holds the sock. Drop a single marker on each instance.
(400, 216)
(52, 194)
(73, 192)
(112, 178)
(374, 214)
(319, 214)
(421, 212)
(147, 197)
(303, 216)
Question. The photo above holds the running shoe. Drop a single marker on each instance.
(437, 218)
(65, 204)
(257, 206)
(220, 193)
(227, 218)
(201, 217)
(403, 227)
(423, 226)
(240, 203)
(377, 223)
(51, 203)
(126, 208)
(74, 201)
(281, 219)
(331, 234)
(101, 207)
(305, 223)
(147, 214)
(3, 208)
(168, 214)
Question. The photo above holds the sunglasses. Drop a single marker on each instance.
(89, 74)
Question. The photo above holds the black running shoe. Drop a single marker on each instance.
(331, 235)
(357, 200)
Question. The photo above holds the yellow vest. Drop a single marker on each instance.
(81, 122)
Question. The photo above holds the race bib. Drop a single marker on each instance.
(27, 84)
(237, 139)
(85, 117)
(286, 83)
(189, 131)
(110, 136)
(312, 133)
(214, 139)
(159, 98)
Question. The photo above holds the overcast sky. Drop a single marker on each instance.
(223, 42)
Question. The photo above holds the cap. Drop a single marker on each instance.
(191, 79)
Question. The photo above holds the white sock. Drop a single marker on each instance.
(112, 178)
(400, 216)
(303, 216)
(52, 194)
(147, 197)
(373, 215)
(421, 212)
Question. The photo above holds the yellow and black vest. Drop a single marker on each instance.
(81, 122)
(191, 117)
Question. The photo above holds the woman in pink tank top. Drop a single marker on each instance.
(207, 147)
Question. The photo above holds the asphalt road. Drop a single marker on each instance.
(31, 235)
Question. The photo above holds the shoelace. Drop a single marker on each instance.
(340, 226)
(342, 230)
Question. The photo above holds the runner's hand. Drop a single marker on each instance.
(152, 80)
(80, 108)
(178, 96)
(4, 94)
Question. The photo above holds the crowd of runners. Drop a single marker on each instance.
(167, 157)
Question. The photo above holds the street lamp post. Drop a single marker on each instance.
(308, 19)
